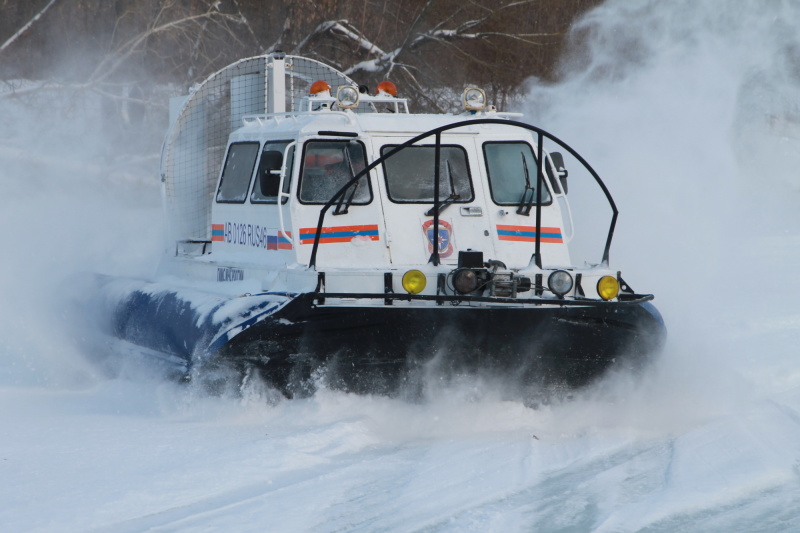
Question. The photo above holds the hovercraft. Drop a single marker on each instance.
(317, 226)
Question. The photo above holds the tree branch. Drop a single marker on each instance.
(113, 61)
(26, 26)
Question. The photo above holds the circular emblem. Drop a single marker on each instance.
(444, 239)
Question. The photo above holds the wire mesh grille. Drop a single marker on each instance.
(195, 144)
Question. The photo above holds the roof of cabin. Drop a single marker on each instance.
(292, 125)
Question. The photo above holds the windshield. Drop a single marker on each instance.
(328, 166)
(410, 174)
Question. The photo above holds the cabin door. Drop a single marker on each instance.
(353, 227)
(407, 182)
(512, 174)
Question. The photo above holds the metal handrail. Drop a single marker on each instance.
(630, 299)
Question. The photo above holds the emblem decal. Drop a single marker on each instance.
(444, 239)
(277, 240)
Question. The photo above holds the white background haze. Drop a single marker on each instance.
(689, 110)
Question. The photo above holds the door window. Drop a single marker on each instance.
(512, 171)
(271, 177)
(328, 166)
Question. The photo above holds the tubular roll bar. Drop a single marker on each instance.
(434, 259)
(628, 299)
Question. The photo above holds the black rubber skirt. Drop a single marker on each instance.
(291, 338)
(375, 348)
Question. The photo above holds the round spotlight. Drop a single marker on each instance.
(387, 87)
(608, 287)
(465, 280)
(347, 96)
(560, 282)
(474, 99)
(414, 281)
(318, 87)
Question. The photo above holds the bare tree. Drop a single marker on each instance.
(447, 44)
(169, 36)
(430, 48)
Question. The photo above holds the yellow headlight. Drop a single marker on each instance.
(608, 287)
(414, 281)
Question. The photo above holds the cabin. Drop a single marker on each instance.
(280, 169)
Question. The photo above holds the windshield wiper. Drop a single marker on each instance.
(526, 202)
(450, 199)
(342, 207)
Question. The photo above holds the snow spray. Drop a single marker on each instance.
(690, 112)
(73, 200)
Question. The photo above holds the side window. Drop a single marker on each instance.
(236, 174)
(268, 176)
(512, 171)
(328, 166)
(410, 174)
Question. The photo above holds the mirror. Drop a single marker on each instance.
(558, 161)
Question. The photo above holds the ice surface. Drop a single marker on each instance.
(666, 100)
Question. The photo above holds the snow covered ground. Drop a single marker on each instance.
(687, 109)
